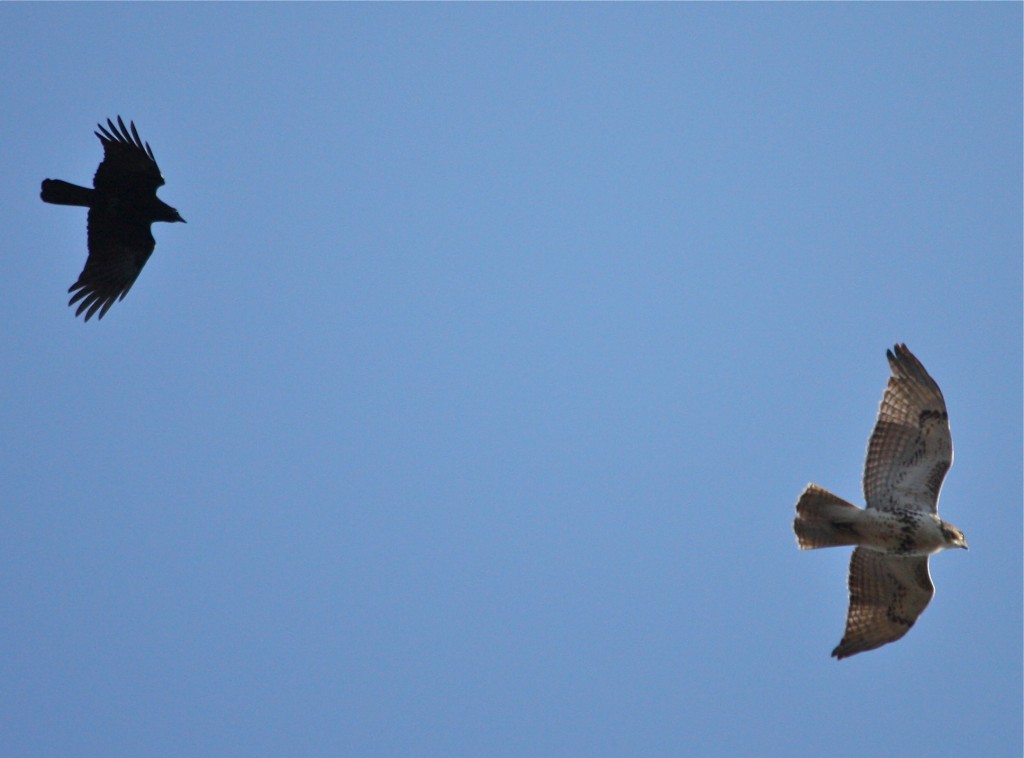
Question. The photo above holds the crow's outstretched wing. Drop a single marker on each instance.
(118, 249)
(128, 166)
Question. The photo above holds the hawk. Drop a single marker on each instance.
(909, 453)
(122, 206)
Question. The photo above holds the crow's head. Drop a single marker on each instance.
(167, 213)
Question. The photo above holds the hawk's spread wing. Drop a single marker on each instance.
(910, 449)
(887, 594)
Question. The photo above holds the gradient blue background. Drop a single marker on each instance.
(467, 414)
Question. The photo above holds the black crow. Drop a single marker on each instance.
(122, 207)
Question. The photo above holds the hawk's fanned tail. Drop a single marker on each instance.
(824, 520)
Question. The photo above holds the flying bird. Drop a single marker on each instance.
(909, 453)
(122, 206)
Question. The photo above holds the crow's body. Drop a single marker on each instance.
(122, 206)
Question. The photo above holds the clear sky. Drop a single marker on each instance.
(467, 414)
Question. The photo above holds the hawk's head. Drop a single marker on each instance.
(953, 536)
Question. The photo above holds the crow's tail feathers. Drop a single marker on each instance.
(824, 520)
(64, 193)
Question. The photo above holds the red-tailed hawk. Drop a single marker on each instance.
(909, 453)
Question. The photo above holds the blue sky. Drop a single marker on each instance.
(467, 414)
